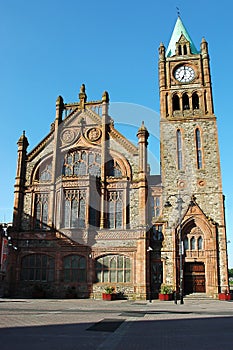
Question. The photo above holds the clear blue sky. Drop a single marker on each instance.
(51, 47)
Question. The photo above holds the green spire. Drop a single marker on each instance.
(179, 29)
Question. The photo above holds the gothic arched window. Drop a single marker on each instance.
(115, 210)
(41, 211)
(200, 243)
(186, 243)
(193, 243)
(44, 171)
(75, 209)
(113, 168)
(81, 163)
(185, 101)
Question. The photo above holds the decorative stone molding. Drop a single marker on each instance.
(67, 136)
(94, 134)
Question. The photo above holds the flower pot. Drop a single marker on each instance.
(224, 296)
(165, 297)
(108, 297)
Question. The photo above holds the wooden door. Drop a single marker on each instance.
(194, 278)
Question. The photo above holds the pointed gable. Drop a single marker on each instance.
(178, 31)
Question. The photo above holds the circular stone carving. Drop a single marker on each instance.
(201, 183)
(181, 184)
(68, 136)
(94, 134)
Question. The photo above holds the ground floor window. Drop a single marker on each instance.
(114, 269)
(75, 268)
(38, 267)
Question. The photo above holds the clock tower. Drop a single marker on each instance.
(195, 237)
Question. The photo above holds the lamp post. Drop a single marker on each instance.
(179, 203)
(149, 250)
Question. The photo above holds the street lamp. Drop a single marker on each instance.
(179, 203)
(149, 250)
(5, 233)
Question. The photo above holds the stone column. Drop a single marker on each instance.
(20, 181)
(104, 157)
(206, 76)
(55, 161)
(143, 186)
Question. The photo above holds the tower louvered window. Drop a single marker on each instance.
(185, 101)
(175, 103)
(195, 101)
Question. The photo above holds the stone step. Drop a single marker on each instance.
(198, 296)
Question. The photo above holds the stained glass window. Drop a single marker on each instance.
(81, 163)
(41, 211)
(115, 209)
(44, 173)
(75, 209)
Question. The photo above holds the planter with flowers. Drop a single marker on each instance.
(166, 292)
(225, 296)
(109, 294)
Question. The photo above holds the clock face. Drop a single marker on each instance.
(184, 74)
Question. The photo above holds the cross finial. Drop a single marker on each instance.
(178, 11)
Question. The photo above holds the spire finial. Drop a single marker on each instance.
(178, 11)
(82, 96)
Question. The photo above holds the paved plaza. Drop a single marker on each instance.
(70, 324)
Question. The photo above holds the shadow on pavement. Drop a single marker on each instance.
(199, 333)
